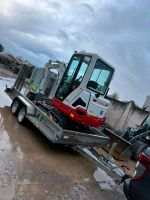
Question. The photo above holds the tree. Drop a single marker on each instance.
(115, 95)
(1, 48)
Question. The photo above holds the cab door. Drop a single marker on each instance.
(73, 76)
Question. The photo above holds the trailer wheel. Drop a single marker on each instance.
(14, 107)
(21, 114)
(138, 147)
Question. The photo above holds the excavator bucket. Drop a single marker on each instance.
(123, 149)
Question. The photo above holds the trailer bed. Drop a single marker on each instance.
(52, 130)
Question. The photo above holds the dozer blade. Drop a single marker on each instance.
(123, 149)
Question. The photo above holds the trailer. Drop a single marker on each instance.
(83, 142)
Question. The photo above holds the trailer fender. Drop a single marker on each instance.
(23, 101)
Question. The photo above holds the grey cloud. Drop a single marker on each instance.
(117, 30)
(122, 38)
(63, 35)
(88, 8)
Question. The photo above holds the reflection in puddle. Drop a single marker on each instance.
(105, 181)
(4, 141)
(7, 167)
(20, 153)
(10, 157)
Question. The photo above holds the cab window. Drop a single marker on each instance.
(100, 77)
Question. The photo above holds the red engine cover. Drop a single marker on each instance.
(78, 114)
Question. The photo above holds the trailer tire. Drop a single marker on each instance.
(21, 114)
(138, 147)
(14, 107)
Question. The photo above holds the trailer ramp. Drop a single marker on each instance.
(106, 163)
(123, 149)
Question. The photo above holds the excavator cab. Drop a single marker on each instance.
(82, 90)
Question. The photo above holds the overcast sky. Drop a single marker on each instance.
(118, 31)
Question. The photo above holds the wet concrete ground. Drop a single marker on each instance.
(31, 167)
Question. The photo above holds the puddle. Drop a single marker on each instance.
(104, 180)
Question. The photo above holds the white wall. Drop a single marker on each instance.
(121, 115)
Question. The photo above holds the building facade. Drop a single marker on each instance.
(146, 105)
